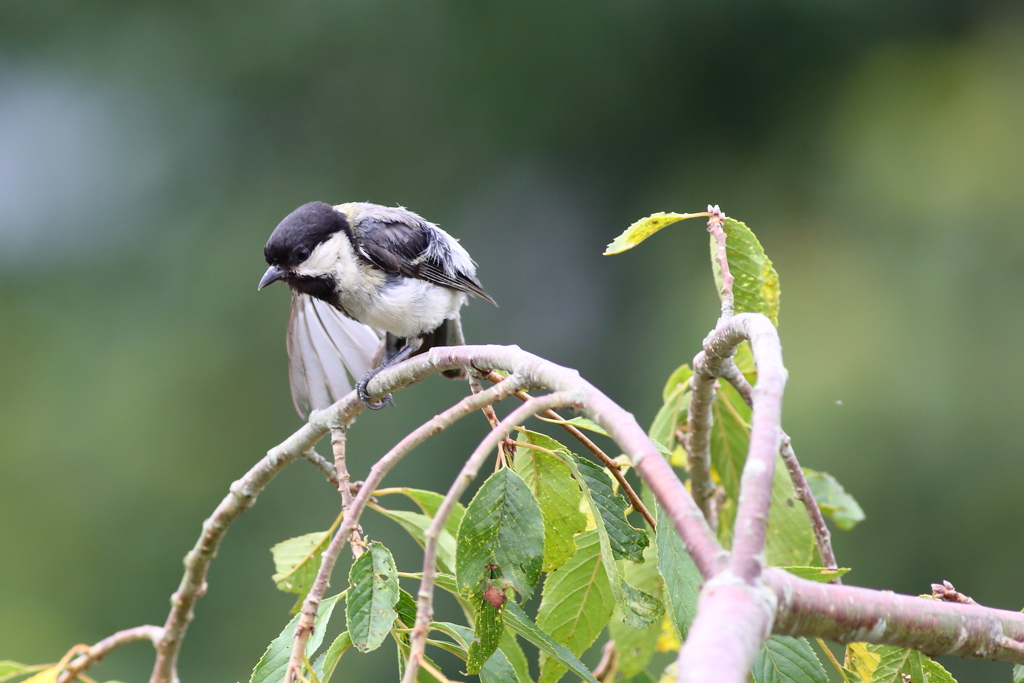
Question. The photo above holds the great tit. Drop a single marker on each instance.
(358, 272)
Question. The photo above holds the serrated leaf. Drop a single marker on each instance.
(517, 620)
(755, 281)
(372, 596)
(892, 663)
(429, 502)
(627, 542)
(819, 574)
(636, 645)
(406, 608)
(833, 499)
(578, 423)
(325, 665)
(683, 580)
(862, 661)
(416, 525)
(501, 538)
(487, 632)
(297, 560)
(559, 496)
(576, 604)
(272, 665)
(644, 228)
(787, 660)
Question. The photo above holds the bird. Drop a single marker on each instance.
(371, 286)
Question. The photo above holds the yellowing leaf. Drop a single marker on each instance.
(644, 228)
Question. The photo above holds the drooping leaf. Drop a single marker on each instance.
(514, 653)
(497, 669)
(297, 560)
(372, 596)
(406, 608)
(576, 603)
(627, 542)
(644, 228)
(682, 578)
(559, 497)
(429, 502)
(787, 660)
(517, 620)
(416, 525)
(790, 539)
(819, 574)
(501, 538)
(272, 665)
(487, 632)
(326, 663)
(833, 499)
(636, 645)
(755, 281)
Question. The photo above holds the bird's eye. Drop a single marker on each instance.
(302, 254)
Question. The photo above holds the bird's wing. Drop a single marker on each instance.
(399, 241)
(327, 353)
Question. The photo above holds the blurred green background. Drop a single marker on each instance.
(148, 149)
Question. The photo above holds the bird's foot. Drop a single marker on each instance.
(364, 395)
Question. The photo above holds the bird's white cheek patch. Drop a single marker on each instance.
(326, 257)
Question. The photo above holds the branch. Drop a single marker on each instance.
(425, 597)
(802, 490)
(344, 486)
(722, 258)
(329, 557)
(101, 649)
(851, 614)
(320, 462)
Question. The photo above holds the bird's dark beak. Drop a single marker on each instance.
(273, 274)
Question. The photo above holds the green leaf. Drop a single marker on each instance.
(787, 660)
(755, 281)
(578, 423)
(417, 524)
(833, 499)
(559, 497)
(682, 578)
(627, 542)
(406, 608)
(272, 665)
(730, 437)
(576, 604)
(1018, 673)
(489, 626)
(9, 669)
(642, 677)
(429, 502)
(514, 653)
(790, 539)
(517, 620)
(297, 560)
(325, 665)
(644, 228)
(673, 411)
(819, 574)
(888, 664)
(636, 645)
(501, 537)
(372, 596)
(497, 669)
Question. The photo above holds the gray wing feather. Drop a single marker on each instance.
(327, 353)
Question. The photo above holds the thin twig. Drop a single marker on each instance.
(425, 597)
(338, 440)
(722, 258)
(433, 426)
(106, 646)
(320, 462)
(605, 459)
(801, 489)
(505, 452)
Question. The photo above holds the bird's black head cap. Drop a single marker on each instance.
(301, 231)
